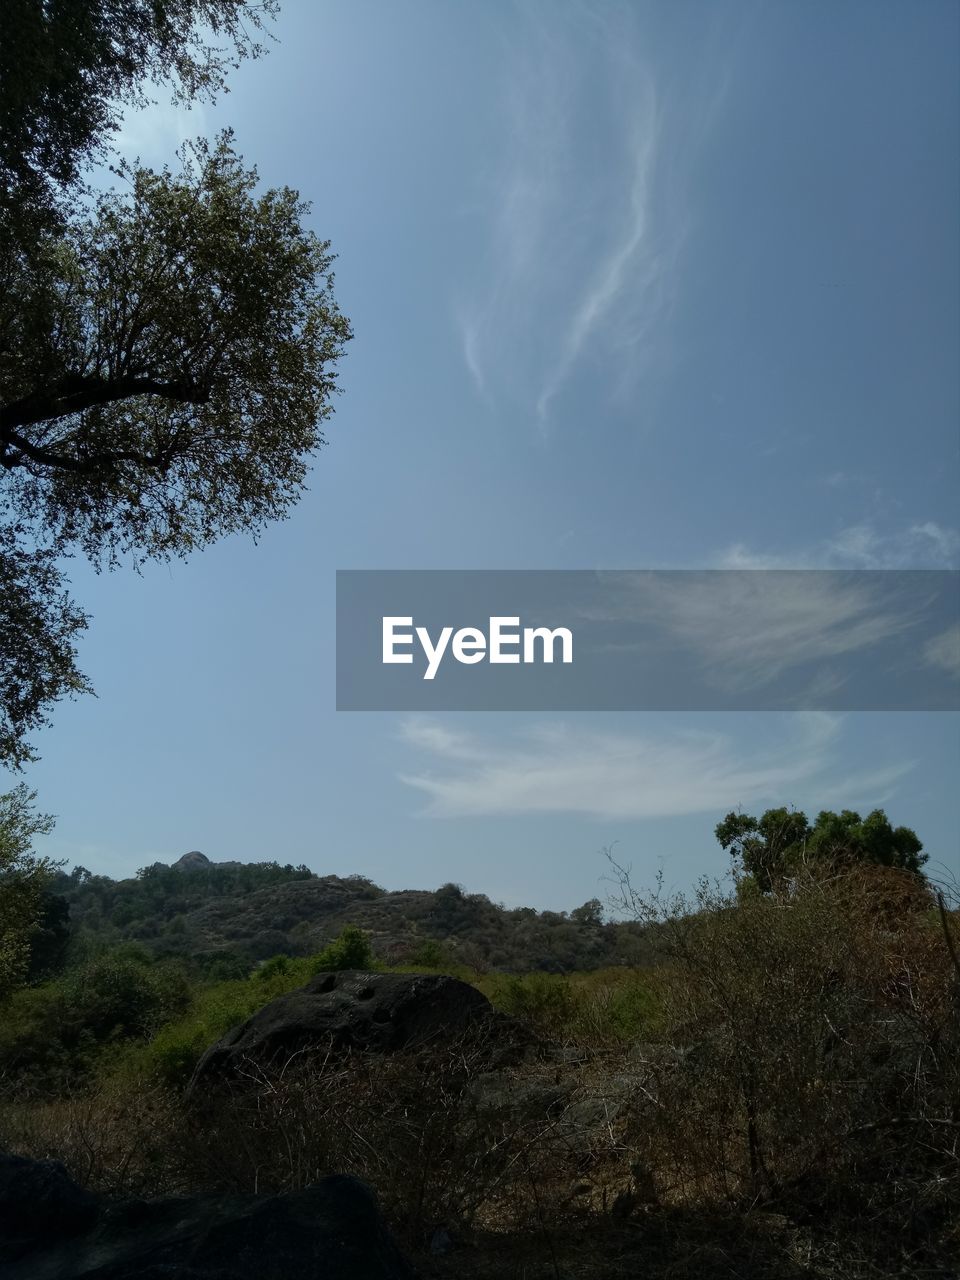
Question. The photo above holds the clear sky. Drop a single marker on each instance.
(633, 286)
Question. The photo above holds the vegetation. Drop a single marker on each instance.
(168, 352)
(783, 842)
(220, 919)
(23, 877)
(68, 73)
(763, 1075)
(351, 950)
(779, 1095)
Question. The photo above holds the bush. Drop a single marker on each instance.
(55, 1035)
(811, 1050)
(119, 997)
(272, 967)
(430, 954)
(606, 1008)
(351, 950)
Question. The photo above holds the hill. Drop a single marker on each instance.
(222, 918)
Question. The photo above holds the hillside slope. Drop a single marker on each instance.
(223, 917)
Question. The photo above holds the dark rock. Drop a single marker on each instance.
(379, 1012)
(38, 1196)
(331, 1231)
(193, 861)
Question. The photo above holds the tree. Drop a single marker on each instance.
(167, 353)
(768, 846)
(38, 623)
(50, 936)
(350, 950)
(591, 913)
(844, 838)
(771, 848)
(69, 67)
(23, 879)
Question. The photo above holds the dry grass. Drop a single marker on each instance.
(800, 1117)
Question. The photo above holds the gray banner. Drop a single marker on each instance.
(648, 640)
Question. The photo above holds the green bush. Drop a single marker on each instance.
(270, 968)
(607, 1007)
(173, 1053)
(55, 1034)
(351, 950)
(430, 954)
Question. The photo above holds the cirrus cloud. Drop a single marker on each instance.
(556, 768)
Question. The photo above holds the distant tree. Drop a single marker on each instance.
(273, 967)
(351, 950)
(49, 937)
(167, 354)
(590, 913)
(23, 879)
(845, 837)
(772, 847)
(122, 993)
(766, 846)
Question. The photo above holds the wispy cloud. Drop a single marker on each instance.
(630, 265)
(624, 775)
(749, 629)
(943, 651)
(921, 545)
(583, 218)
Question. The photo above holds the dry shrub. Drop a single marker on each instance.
(448, 1136)
(443, 1139)
(115, 1138)
(814, 1052)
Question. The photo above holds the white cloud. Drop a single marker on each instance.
(623, 775)
(926, 545)
(748, 630)
(583, 218)
(627, 265)
(943, 651)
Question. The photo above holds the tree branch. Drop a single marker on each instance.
(78, 392)
(74, 395)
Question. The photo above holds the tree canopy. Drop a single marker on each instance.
(68, 68)
(23, 880)
(771, 848)
(168, 350)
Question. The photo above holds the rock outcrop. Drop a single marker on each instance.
(50, 1229)
(353, 1010)
(192, 861)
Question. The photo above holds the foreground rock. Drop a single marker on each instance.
(354, 1010)
(50, 1229)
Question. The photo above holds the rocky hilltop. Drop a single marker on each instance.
(222, 917)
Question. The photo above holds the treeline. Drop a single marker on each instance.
(222, 919)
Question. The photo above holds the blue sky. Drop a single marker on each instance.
(633, 286)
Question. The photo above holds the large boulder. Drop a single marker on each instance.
(352, 1010)
(36, 1196)
(192, 861)
(331, 1231)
